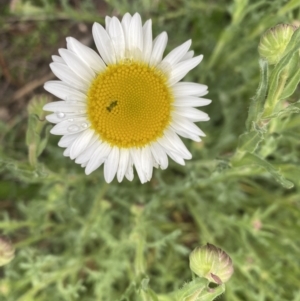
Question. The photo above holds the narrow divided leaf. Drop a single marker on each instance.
(249, 141)
(258, 101)
(249, 159)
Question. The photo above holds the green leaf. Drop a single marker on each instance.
(127, 296)
(291, 86)
(198, 290)
(280, 72)
(32, 139)
(212, 294)
(32, 136)
(290, 109)
(191, 290)
(289, 6)
(36, 124)
(152, 295)
(291, 171)
(269, 146)
(44, 141)
(276, 76)
(258, 100)
(293, 44)
(249, 141)
(249, 159)
(23, 171)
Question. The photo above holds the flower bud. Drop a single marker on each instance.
(7, 251)
(211, 263)
(274, 41)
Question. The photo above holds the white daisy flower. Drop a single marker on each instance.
(126, 106)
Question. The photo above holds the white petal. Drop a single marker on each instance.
(54, 118)
(159, 46)
(77, 65)
(192, 114)
(136, 158)
(64, 73)
(125, 24)
(186, 125)
(81, 143)
(67, 127)
(117, 38)
(57, 59)
(188, 56)
(147, 162)
(191, 101)
(111, 164)
(175, 157)
(63, 91)
(85, 156)
(129, 172)
(98, 158)
(147, 41)
(67, 140)
(62, 106)
(182, 68)
(159, 155)
(185, 89)
(176, 144)
(88, 55)
(104, 44)
(66, 152)
(154, 163)
(177, 54)
(107, 22)
(135, 36)
(185, 134)
(167, 146)
(60, 116)
(170, 151)
(123, 163)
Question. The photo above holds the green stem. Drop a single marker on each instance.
(30, 294)
(139, 263)
(196, 290)
(272, 103)
(222, 41)
(32, 154)
(205, 234)
(139, 257)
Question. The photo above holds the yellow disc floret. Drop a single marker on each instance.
(129, 104)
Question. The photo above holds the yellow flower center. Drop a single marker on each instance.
(129, 104)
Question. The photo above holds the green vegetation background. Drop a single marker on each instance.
(78, 238)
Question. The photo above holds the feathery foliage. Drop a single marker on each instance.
(78, 238)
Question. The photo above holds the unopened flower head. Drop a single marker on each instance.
(126, 106)
(274, 42)
(211, 263)
(7, 251)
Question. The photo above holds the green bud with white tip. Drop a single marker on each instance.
(7, 251)
(274, 42)
(211, 263)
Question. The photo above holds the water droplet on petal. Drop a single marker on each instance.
(60, 114)
(73, 128)
(84, 125)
